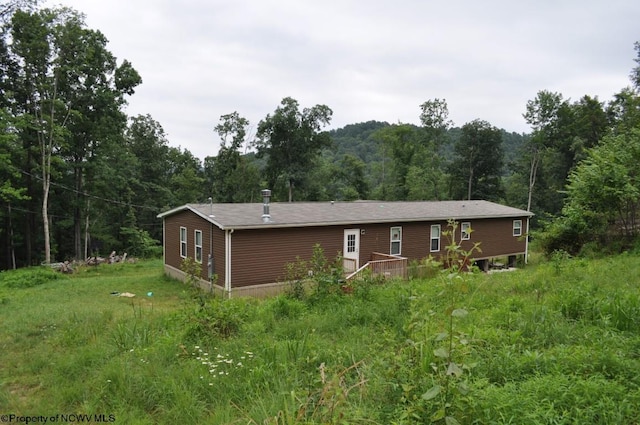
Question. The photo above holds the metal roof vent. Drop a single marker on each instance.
(266, 196)
(211, 205)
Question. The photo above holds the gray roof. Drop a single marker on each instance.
(306, 214)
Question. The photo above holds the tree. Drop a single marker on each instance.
(435, 123)
(8, 9)
(477, 165)
(635, 72)
(402, 142)
(541, 114)
(66, 91)
(232, 178)
(603, 196)
(10, 190)
(291, 140)
(94, 86)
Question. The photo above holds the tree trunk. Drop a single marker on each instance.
(12, 248)
(533, 171)
(46, 184)
(77, 215)
(86, 233)
(469, 183)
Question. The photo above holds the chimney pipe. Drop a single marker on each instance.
(266, 196)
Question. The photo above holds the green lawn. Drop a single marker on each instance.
(555, 343)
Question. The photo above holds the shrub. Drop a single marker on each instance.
(27, 278)
(216, 318)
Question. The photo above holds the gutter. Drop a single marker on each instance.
(227, 260)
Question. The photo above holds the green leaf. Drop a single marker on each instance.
(441, 336)
(454, 369)
(459, 312)
(441, 352)
(463, 388)
(432, 393)
(440, 413)
(450, 420)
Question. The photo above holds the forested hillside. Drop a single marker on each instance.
(80, 177)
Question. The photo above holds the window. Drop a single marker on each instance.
(183, 242)
(517, 227)
(465, 231)
(198, 244)
(351, 243)
(435, 238)
(396, 240)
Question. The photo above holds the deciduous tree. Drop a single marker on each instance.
(477, 164)
(291, 140)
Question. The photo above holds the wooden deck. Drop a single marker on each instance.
(389, 266)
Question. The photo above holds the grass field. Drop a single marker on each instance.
(555, 343)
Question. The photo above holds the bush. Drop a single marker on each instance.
(27, 278)
(215, 319)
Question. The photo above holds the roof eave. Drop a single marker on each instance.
(187, 207)
(348, 223)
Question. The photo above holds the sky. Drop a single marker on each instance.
(366, 60)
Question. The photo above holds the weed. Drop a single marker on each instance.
(27, 278)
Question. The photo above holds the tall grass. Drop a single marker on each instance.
(555, 343)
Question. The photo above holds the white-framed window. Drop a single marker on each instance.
(183, 242)
(351, 243)
(517, 227)
(465, 231)
(396, 240)
(435, 238)
(198, 245)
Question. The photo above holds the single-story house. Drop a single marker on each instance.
(247, 246)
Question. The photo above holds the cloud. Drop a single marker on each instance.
(366, 60)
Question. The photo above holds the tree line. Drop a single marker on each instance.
(79, 177)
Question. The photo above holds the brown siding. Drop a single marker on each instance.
(193, 222)
(495, 237)
(259, 256)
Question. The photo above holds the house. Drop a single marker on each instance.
(247, 246)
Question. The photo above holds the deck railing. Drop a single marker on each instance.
(348, 265)
(389, 266)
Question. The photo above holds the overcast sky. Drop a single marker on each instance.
(366, 60)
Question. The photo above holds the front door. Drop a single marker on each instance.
(351, 251)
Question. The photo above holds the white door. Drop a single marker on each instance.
(351, 251)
